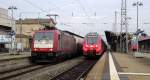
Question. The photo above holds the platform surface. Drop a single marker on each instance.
(134, 68)
(126, 66)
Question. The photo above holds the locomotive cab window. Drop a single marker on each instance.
(44, 36)
(92, 39)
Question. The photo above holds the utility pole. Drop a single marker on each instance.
(72, 14)
(38, 18)
(21, 44)
(95, 14)
(115, 23)
(124, 26)
(137, 4)
(13, 28)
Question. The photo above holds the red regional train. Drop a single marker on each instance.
(93, 45)
(53, 44)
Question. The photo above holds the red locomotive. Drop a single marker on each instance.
(53, 44)
(93, 45)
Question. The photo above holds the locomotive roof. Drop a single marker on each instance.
(54, 28)
(33, 21)
(73, 34)
(92, 34)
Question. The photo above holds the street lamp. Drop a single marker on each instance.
(13, 29)
(137, 4)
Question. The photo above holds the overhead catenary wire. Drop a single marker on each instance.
(34, 5)
(83, 8)
(87, 4)
(60, 6)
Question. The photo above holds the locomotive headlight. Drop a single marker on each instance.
(86, 45)
(35, 49)
(50, 49)
(96, 46)
(84, 49)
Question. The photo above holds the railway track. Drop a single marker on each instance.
(9, 65)
(77, 72)
(39, 72)
(15, 57)
(15, 69)
(16, 72)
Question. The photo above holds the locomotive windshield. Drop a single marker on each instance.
(44, 36)
(92, 39)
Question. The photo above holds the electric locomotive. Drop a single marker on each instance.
(52, 44)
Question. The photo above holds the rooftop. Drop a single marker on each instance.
(144, 38)
(34, 21)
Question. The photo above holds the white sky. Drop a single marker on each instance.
(83, 20)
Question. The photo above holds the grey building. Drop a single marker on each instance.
(5, 28)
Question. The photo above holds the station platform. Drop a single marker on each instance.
(134, 68)
(120, 66)
(9, 56)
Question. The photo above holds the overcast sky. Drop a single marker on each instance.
(83, 19)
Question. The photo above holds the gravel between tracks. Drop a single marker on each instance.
(77, 72)
(13, 64)
(49, 72)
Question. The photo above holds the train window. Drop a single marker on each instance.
(92, 39)
(44, 36)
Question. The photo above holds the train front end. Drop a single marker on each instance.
(92, 45)
(43, 46)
